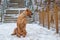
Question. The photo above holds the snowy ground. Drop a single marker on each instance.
(34, 32)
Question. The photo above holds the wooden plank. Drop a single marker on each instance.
(0, 17)
(11, 11)
(48, 14)
(43, 15)
(46, 19)
(21, 4)
(56, 17)
(9, 21)
(10, 16)
(14, 1)
(21, 11)
(52, 21)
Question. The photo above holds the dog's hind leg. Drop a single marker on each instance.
(14, 33)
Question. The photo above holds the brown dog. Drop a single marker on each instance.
(21, 23)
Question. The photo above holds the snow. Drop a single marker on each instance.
(34, 32)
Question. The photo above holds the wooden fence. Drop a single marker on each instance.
(50, 17)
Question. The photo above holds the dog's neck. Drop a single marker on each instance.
(24, 14)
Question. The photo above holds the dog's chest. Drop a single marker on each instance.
(21, 19)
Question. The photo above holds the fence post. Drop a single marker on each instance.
(48, 14)
(56, 17)
(43, 16)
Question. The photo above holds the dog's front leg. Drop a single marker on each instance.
(18, 33)
(24, 32)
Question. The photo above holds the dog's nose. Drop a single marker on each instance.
(31, 13)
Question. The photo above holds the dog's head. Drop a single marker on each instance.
(29, 13)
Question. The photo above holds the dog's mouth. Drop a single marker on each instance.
(31, 15)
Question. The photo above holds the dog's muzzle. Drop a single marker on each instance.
(31, 13)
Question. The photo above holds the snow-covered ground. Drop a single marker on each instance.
(34, 32)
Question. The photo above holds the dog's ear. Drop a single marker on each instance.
(27, 10)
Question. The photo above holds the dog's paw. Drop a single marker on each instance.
(24, 35)
(18, 36)
(13, 34)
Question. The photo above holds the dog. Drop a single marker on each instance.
(20, 30)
